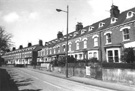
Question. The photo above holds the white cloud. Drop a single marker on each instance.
(11, 17)
(33, 15)
(100, 9)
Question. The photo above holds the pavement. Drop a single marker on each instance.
(89, 81)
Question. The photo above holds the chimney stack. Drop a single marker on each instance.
(20, 47)
(40, 43)
(79, 26)
(59, 35)
(114, 11)
(29, 44)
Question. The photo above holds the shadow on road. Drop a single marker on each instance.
(10, 81)
(23, 82)
(6, 83)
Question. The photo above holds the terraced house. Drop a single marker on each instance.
(23, 56)
(104, 39)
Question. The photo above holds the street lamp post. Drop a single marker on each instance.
(59, 10)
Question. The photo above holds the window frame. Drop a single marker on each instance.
(94, 37)
(85, 42)
(95, 41)
(122, 29)
(126, 35)
(108, 38)
(113, 54)
(77, 45)
(91, 54)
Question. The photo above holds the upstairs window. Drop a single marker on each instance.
(108, 35)
(125, 32)
(47, 51)
(54, 50)
(64, 47)
(77, 46)
(95, 38)
(108, 38)
(50, 51)
(84, 42)
(96, 41)
(77, 43)
(58, 49)
(69, 47)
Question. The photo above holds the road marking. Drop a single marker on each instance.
(52, 84)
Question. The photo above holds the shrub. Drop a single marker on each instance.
(128, 55)
(93, 60)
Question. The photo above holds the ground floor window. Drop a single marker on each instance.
(92, 53)
(113, 55)
(78, 56)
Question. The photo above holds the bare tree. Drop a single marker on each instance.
(5, 40)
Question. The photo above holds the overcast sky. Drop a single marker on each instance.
(31, 20)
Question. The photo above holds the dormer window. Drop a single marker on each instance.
(53, 41)
(56, 40)
(101, 24)
(65, 37)
(70, 35)
(130, 14)
(83, 31)
(91, 28)
(113, 20)
(75, 34)
(61, 38)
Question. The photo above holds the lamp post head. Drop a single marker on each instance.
(59, 10)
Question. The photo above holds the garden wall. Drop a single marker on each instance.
(119, 75)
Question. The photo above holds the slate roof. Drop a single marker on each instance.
(121, 19)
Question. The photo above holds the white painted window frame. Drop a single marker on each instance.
(94, 37)
(108, 32)
(92, 52)
(112, 49)
(85, 42)
(128, 27)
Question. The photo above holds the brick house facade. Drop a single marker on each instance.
(104, 39)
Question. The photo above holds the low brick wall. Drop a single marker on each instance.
(124, 76)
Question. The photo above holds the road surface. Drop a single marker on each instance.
(28, 80)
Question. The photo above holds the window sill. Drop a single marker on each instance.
(126, 40)
(95, 46)
(108, 43)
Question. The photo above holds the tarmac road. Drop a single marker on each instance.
(21, 79)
